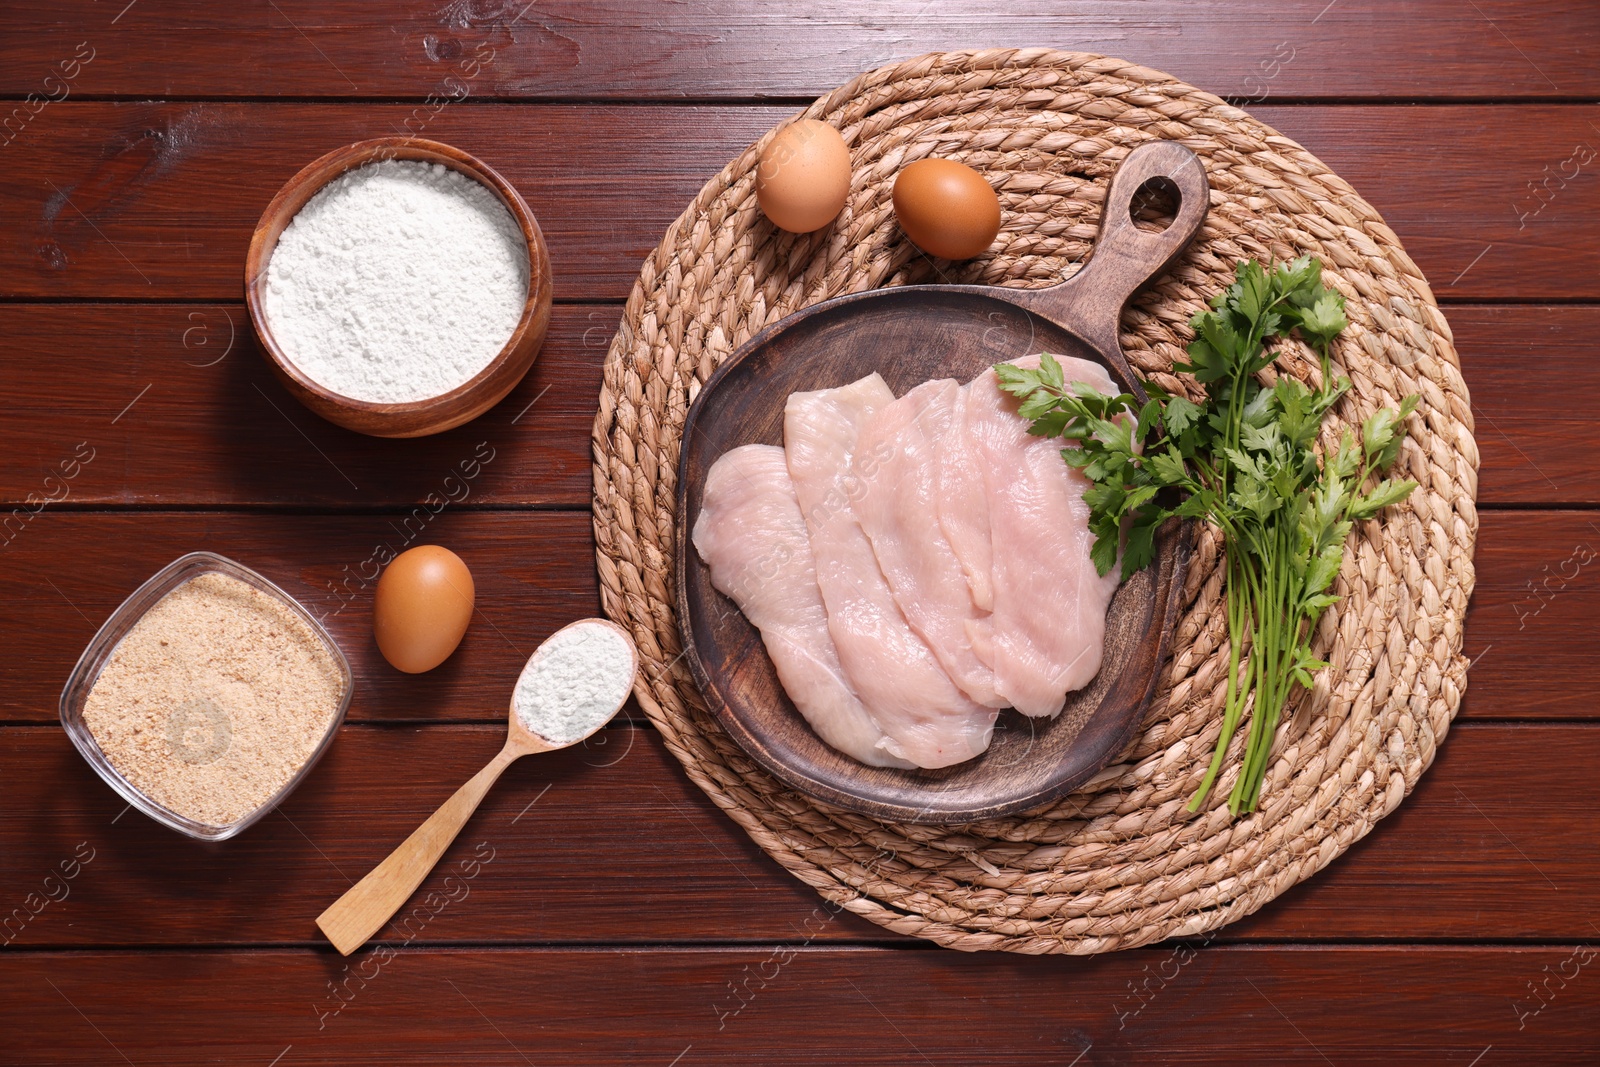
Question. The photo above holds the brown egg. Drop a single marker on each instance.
(803, 176)
(421, 608)
(946, 208)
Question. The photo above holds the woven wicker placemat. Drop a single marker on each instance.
(1120, 862)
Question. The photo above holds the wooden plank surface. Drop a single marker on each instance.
(612, 842)
(1524, 365)
(209, 424)
(214, 428)
(613, 914)
(157, 200)
(787, 1005)
(534, 570)
(534, 573)
(613, 49)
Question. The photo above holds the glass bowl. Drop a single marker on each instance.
(105, 642)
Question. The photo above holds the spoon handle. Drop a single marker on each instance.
(353, 918)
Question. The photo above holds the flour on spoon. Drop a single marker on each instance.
(574, 683)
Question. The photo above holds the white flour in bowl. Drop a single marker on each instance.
(575, 682)
(398, 281)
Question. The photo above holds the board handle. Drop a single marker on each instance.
(1125, 257)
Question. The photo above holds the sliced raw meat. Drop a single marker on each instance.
(1046, 633)
(898, 462)
(928, 719)
(963, 507)
(750, 533)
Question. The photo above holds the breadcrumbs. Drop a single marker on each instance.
(214, 699)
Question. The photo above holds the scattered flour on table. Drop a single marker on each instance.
(398, 281)
(575, 683)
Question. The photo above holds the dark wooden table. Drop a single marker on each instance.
(602, 910)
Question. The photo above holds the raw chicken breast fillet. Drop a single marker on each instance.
(1014, 514)
(929, 721)
(752, 536)
(963, 506)
(898, 462)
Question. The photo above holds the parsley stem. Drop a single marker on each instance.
(1233, 704)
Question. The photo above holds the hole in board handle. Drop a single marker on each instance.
(1154, 205)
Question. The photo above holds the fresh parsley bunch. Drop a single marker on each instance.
(1245, 459)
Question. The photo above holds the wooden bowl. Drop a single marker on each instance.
(911, 335)
(419, 417)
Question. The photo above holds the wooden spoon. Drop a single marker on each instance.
(352, 919)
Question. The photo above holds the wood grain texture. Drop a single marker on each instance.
(610, 841)
(207, 431)
(178, 188)
(115, 195)
(1524, 366)
(208, 422)
(158, 200)
(534, 572)
(614, 49)
(1537, 596)
(783, 1006)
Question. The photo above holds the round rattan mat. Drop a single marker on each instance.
(1120, 862)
